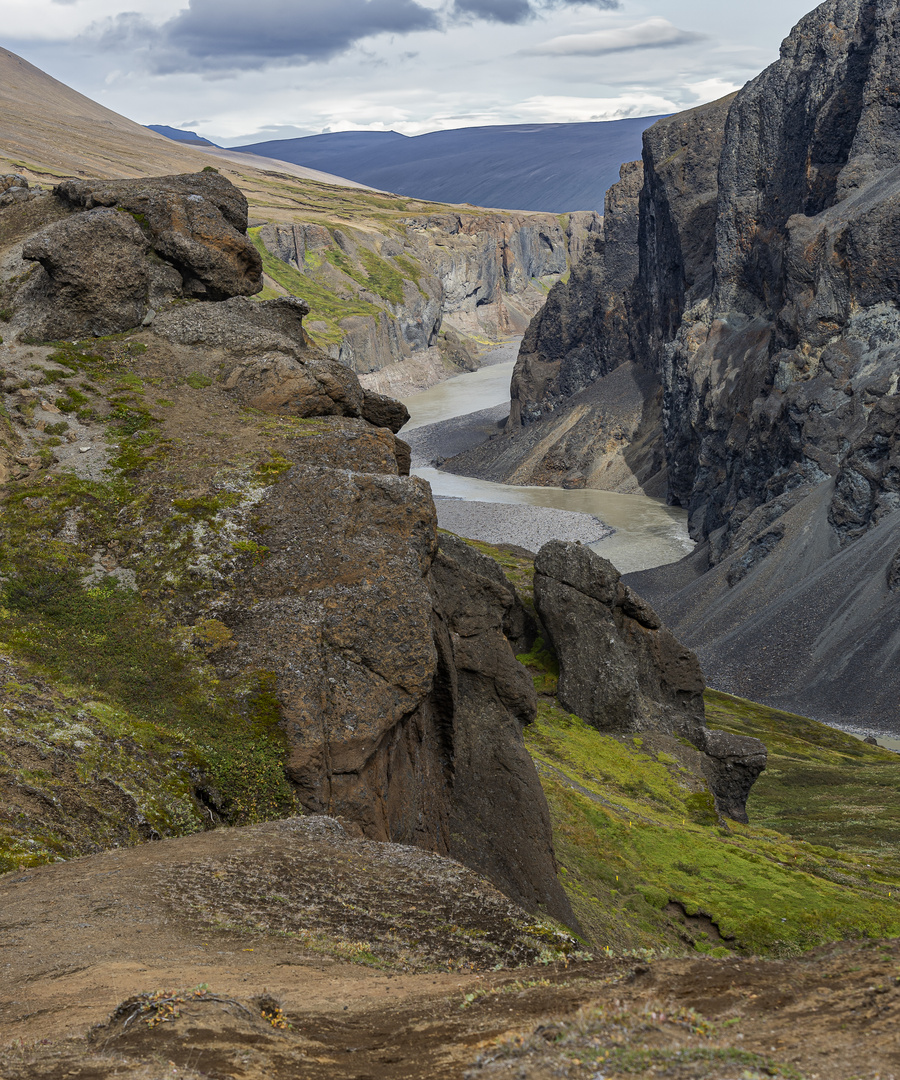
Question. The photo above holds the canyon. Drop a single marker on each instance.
(729, 344)
(275, 748)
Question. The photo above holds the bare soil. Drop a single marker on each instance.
(100, 958)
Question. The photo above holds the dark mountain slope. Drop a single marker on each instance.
(760, 294)
(550, 167)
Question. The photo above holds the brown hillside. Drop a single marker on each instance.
(49, 131)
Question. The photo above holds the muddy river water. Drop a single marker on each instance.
(648, 533)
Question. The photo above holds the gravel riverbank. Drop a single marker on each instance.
(529, 527)
(432, 444)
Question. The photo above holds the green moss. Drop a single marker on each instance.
(326, 305)
(267, 293)
(88, 745)
(106, 639)
(629, 830)
(197, 381)
(410, 270)
(140, 218)
(381, 277)
(636, 830)
(544, 667)
(821, 784)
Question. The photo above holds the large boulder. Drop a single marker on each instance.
(238, 325)
(401, 699)
(197, 222)
(621, 671)
(130, 247)
(96, 277)
(272, 363)
(619, 668)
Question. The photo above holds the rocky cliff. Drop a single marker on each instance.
(763, 308)
(223, 510)
(424, 290)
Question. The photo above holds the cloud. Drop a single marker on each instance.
(216, 36)
(502, 11)
(557, 109)
(513, 12)
(655, 33)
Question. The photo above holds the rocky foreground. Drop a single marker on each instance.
(293, 949)
(273, 749)
(203, 502)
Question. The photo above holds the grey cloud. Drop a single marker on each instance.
(220, 35)
(655, 33)
(502, 11)
(518, 11)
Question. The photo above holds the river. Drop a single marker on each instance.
(648, 533)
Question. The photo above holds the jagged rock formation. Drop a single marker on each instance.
(585, 411)
(138, 245)
(389, 671)
(479, 274)
(622, 671)
(196, 222)
(764, 310)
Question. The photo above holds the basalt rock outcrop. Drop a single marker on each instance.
(426, 288)
(764, 311)
(129, 247)
(198, 223)
(623, 672)
(297, 557)
(401, 698)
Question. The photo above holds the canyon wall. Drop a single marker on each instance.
(428, 288)
(759, 305)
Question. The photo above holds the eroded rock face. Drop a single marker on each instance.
(619, 668)
(96, 276)
(581, 333)
(622, 671)
(400, 695)
(198, 222)
(481, 274)
(393, 676)
(765, 306)
(130, 247)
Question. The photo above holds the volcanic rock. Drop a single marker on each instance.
(197, 222)
(96, 276)
(622, 671)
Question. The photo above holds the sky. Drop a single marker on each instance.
(242, 71)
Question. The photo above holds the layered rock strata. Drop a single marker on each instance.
(435, 284)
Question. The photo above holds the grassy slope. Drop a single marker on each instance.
(103, 664)
(632, 836)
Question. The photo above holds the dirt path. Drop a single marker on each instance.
(80, 938)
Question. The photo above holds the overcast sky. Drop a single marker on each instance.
(241, 71)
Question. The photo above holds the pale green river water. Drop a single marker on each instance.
(648, 533)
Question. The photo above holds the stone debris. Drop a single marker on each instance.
(529, 527)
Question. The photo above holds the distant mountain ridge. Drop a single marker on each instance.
(554, 168)
(179, 135)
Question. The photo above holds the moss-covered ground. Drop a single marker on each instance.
(648, 864)
(98, 576)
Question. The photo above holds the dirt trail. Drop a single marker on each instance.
(77, 939)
